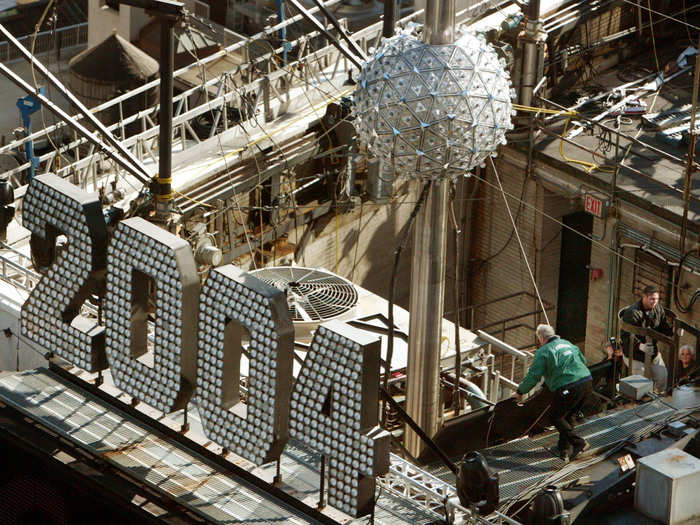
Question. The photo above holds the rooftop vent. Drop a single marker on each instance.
(313, 295)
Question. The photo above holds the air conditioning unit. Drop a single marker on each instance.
(314, 296)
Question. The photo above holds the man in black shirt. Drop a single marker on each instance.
(647, 313)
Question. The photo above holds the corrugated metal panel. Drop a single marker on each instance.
(655, 246)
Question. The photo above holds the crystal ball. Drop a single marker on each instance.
(434, 111)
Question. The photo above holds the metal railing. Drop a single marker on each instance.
(47, 41)
(201, 9)
(265, 93)
(16, 268)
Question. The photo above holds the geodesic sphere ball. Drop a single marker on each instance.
(434, 111)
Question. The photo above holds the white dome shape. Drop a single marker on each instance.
(434, 111)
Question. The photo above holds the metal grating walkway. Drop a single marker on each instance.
(525, 462)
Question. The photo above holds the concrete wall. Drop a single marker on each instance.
(102, 22)
(16, 353)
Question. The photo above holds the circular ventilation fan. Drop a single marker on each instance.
(313, 295)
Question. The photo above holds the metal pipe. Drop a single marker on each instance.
(352, 45)
(389, 18)
(614, 267)
(349, 53)
(528, 78)
(427, 301)
(505, 347)
(165, 162)
(426, 307)
(687, 181)
(439, 26)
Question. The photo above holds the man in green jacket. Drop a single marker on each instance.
(565, 373)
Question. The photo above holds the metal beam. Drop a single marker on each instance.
(333, 20)
(319, 26)
(137, 167)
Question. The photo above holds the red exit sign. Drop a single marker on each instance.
(594, 206)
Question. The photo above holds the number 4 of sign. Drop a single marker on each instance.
(332, 407)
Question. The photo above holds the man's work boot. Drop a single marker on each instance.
(565, 454)
(580, 448)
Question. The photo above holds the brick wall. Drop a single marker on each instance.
(500, 269)
(598, 292)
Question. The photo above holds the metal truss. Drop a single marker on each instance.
(16, 268)
(433, 495)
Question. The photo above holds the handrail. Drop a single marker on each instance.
(501, 345)
(513, 318)
(7, 55)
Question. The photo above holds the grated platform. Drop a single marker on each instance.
(525, 462)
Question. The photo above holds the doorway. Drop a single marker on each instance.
(572, 300)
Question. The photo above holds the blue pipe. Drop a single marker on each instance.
(27, 106)
(282, 33)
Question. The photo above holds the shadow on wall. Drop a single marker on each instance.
(366, 240)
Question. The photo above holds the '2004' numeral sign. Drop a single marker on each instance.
(332, 406)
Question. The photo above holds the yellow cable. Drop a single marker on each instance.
(589, 166)
(194, 200)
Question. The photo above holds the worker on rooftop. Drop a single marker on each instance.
(646, 313)
(565, 373)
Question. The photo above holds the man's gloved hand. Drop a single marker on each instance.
(647, 348)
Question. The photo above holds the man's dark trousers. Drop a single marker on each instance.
(568, 401)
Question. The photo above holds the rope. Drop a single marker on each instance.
(520, 243)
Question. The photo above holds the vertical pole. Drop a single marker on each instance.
(426, 304)
(531, 55)
(322, 488)
(282, 33)
(426, 308)
(691, 156)
(167, 65)
(278, 473)
(389, 18)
